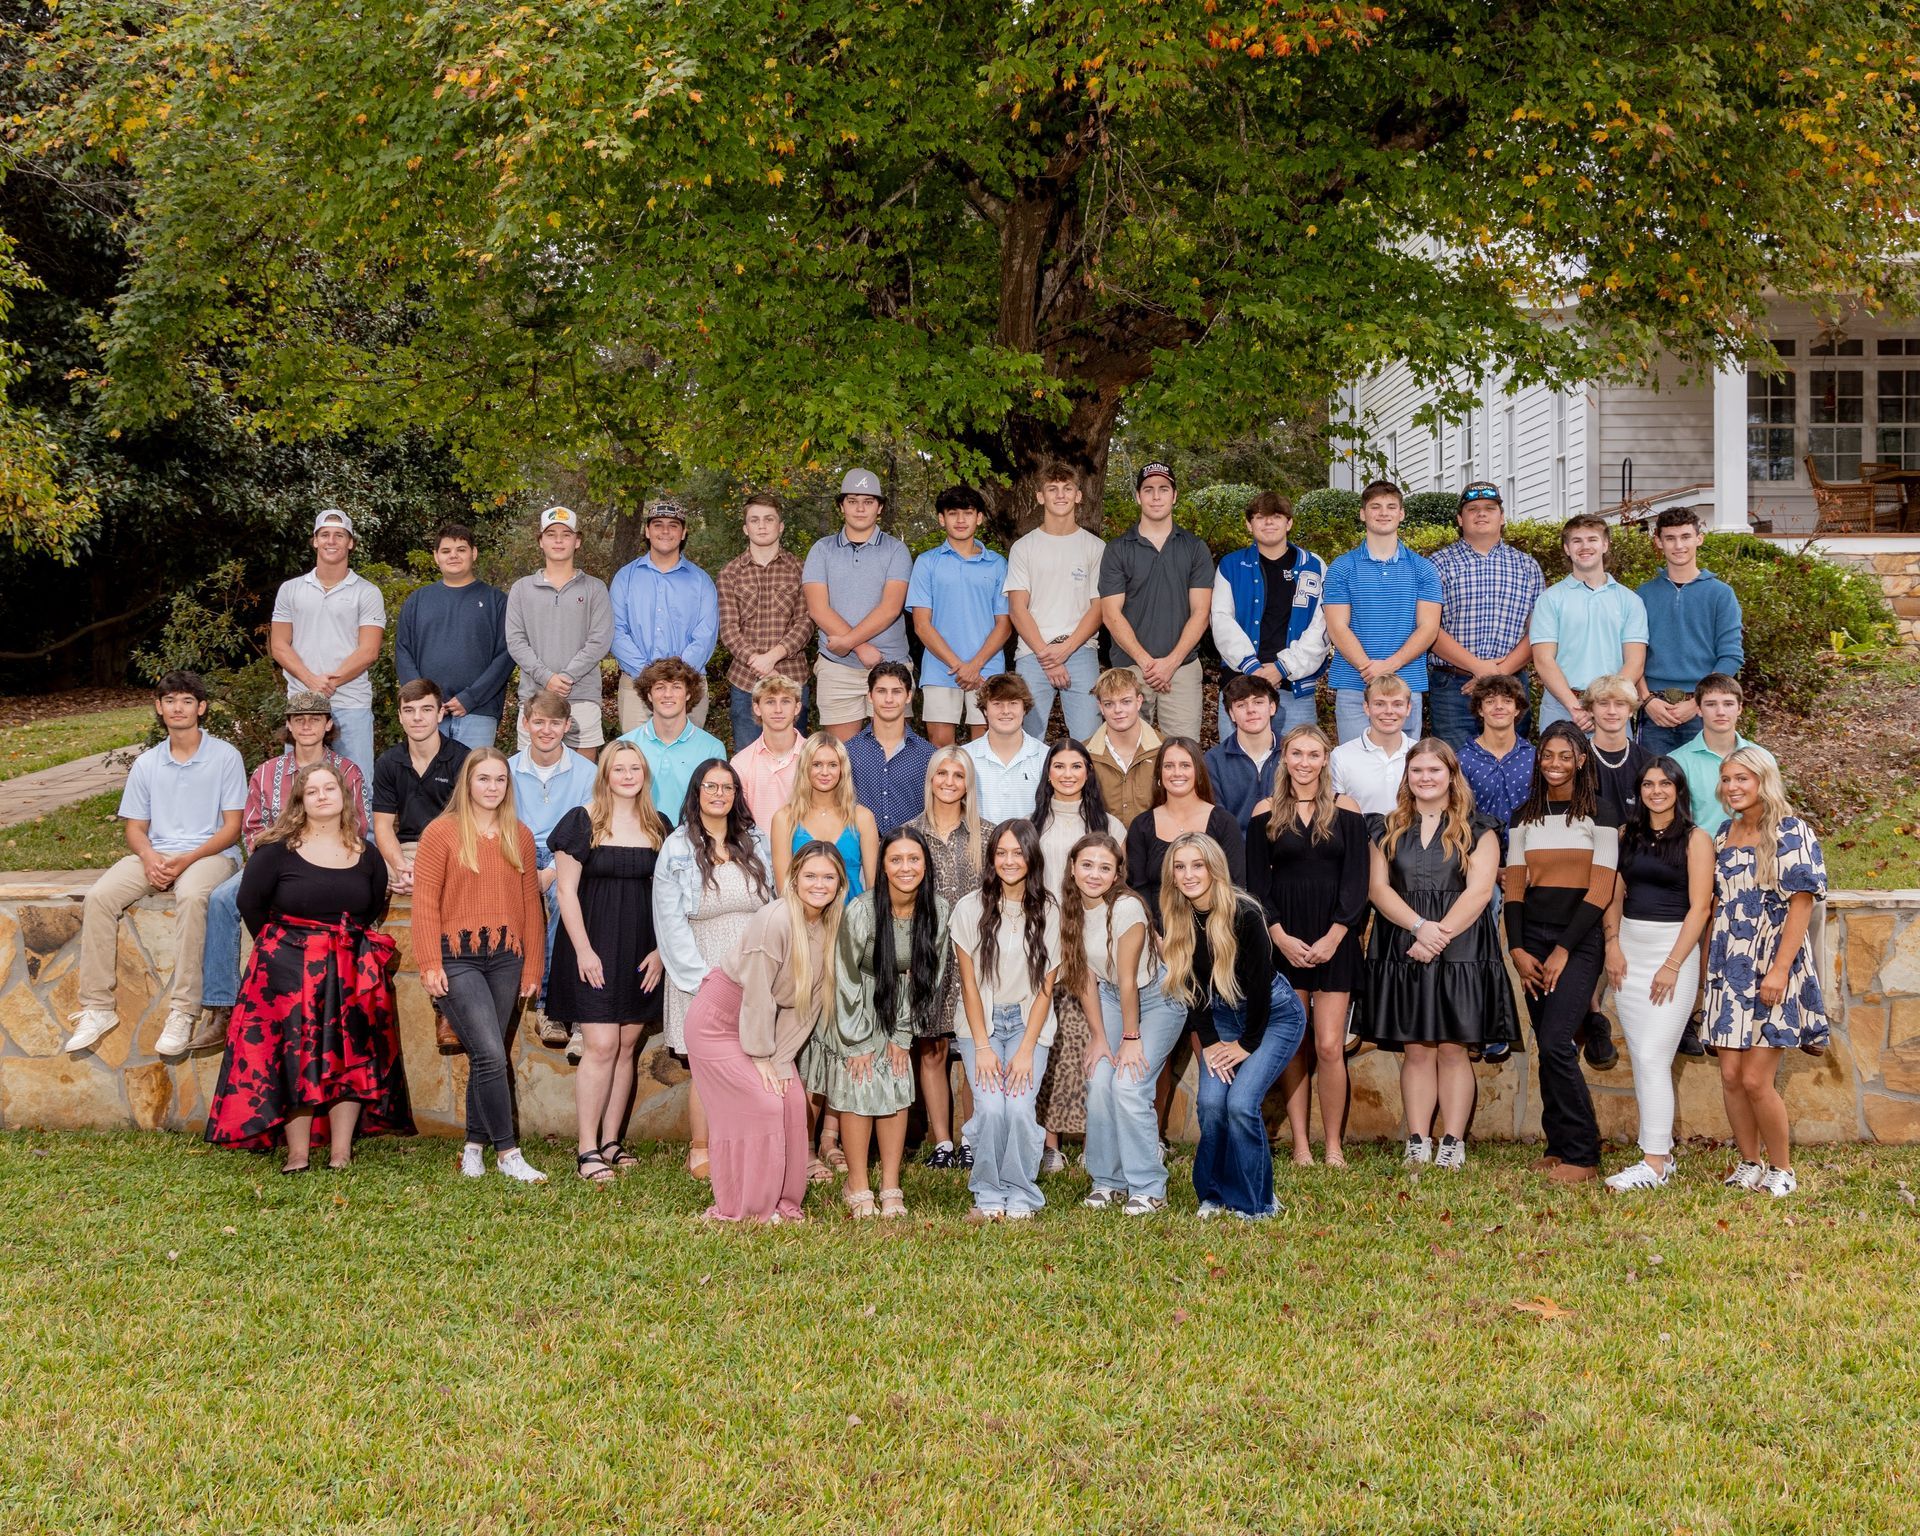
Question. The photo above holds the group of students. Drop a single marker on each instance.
(1071, 916)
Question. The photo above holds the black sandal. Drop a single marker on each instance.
(605, 1175)
(289, 1172)
(621, 1160)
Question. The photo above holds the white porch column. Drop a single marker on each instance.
(1730, 448)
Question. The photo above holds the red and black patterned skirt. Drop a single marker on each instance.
(314, 1027)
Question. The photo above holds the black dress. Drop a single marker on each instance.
(1147, 854)
(1462, 996)
(1307, 887)
(616, 904)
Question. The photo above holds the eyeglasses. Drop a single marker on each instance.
(716, 789)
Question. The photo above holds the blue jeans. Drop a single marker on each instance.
(471, 730)
(220, 952)
(1123, 1133)
(1233, 1165)
(1350, 714)
(1551, 710)
(1295, 709)
(1077, 703)
(1451, 716)
(746, 729)
(1659, 740)
(1004, 1132)
(353, 739)
(552, 899)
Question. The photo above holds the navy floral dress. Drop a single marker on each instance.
(1747, 922)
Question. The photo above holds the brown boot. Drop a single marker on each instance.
(444, 1036)
(211, 1032)
(552, 1034)
(1543, 1164)
(1572, 1173)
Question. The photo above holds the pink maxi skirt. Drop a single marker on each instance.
(756, 1138)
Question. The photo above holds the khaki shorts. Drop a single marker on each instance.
(947, 705)
(840, 692)
(587, 729)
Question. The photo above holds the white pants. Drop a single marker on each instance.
(1653, 1029)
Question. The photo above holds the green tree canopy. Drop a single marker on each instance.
(758, 234)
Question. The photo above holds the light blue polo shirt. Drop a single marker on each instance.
(1589, 627)
(540, 803)
(672, 763)
(1382, 598)
(183, 804)
(967, 594)
(1701, 764)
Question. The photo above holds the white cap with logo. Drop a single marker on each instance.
(332, 517)
(564, 516)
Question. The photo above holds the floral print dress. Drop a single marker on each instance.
(1748, 919)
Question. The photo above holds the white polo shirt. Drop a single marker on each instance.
(326, 628)
(1368, 774)
(1007, 790)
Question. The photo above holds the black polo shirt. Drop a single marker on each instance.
(414, 799)
(1156, 582)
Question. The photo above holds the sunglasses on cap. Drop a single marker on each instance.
(1479, 493)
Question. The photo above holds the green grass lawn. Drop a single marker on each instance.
(48, 743)
(1880, 850)
(85, 835)
(197, 1345)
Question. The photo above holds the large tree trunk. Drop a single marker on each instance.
(1081, 442)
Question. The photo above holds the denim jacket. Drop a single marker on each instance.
(677, 893)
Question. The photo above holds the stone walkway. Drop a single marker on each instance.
(35, 794)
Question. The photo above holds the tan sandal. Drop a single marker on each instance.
(818, 1172)
(893, 1204)
(699, 1165)
(859, 1203)
(834, 1158)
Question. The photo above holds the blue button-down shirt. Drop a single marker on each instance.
(1238, 784)
(1499, 784)
(893, 788)
(1486, 601)
(660, 613)
(672, 762)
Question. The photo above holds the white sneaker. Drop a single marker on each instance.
(1143, 1205)
(175, 1037)
(1778, 1182)
(1745, 1176)
(1642, 1175)
(472, 1164)
(1209, 1209)
(1053, 1160)
(89, 1025)
(514, 1166)
(1021, 1215)
(576, 1046)
(1452, 1153)
(1419, 1152)
(1104, 1199)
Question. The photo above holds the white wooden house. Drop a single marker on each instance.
(1734, 443)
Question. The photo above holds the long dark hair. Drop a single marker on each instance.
(739, 838)
(923, 957)
(1202, 782)
(1093, 799)
(1033, 903)
(1639, 834)
(1586, 778)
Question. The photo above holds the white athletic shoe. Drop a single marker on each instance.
(1053, 1160)
(1642, 1175)
(576, 1046)
(1209, 1209)
(514, 1166)
(1745, 1176)
(1419, 1152)
(472, 1163)
(1104, 1199)
(177, 1035)
(1452, 1153)
(1779, 1182)
(89, 1025)
(1143, 1205)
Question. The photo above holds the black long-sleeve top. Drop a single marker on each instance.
(1147, 854)
(1307, 887)
(277, 882)
(1252, 967)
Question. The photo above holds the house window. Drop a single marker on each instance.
(1508, 448)
(1896, 438)
(1559, 456)
(1836, 421)
(1393, 457)
(1466, 450)
(1770, 421)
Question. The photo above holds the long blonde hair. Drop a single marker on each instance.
(1773, 809)
(600, 808)
(290, 826)
(969, 803)
(800, 798)
(813, 995)
(466, 825)
(1456, 826)
(1284, 806)
(1177, 923)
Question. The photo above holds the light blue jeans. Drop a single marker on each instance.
(220, 951)
(1077, 703)
(1004, 1132)
(1123, 1133)
(1295, 709)
(1350, 714)
(353, 739)
(1551, 709)
(471, 730)
(1233, 1165)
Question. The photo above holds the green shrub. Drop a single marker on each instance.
(1218, 513)
(1432, 509)
(1326, 504)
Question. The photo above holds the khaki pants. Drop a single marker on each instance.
(118, 889)
(634, 712)
(1177, 711)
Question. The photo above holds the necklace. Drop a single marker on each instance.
(1625, 752)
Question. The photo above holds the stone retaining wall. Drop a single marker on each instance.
(1899, 577)
(1867, 1087)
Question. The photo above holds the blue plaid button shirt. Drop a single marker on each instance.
(1486, 601)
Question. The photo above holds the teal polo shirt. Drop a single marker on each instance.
(1589, 627)
(672, 762)
(1701, 764)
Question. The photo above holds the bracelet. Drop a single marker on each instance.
(1129, 1037)
(1667, 965)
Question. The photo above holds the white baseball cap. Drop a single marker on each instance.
(566, 517)
(332, 517)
